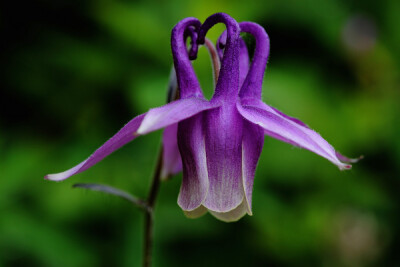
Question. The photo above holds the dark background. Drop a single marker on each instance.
(74, 72)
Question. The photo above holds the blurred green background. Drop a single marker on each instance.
(74, 72)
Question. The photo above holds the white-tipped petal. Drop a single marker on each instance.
(196, 213)
(233, 215)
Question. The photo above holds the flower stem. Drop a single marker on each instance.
(149, 215)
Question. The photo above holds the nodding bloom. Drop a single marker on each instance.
(219, 140)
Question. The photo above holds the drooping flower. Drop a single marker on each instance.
(220, 140)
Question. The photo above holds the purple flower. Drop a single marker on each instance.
(220, 140)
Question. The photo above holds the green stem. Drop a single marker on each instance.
(149, 216)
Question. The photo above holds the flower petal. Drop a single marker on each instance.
(346, 159)
(172, 113)
(223, 136)
(252, 85)
(244, 60)
(250, 101)
(195, 175)
(295, 120)
(186, 77)
(260, 104)
(252, 144)
(172, 162)
(233, 215)
(227, 87)
(122, 137)
(196, 213)
(284, 129)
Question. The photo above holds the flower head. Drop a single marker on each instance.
(220, 140)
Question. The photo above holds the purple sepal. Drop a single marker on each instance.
(122, 137)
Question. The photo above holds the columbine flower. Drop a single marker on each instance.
(220, 140)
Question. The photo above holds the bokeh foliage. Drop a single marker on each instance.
(75, 71)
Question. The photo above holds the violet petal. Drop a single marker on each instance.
(122, 137)
(195, 175)
(252, 144)
(252, 85)
(172, 113)
(244, 60)
(172, 162)
(281, 128)
(186, 77)
(223, 131)
(227, 86)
